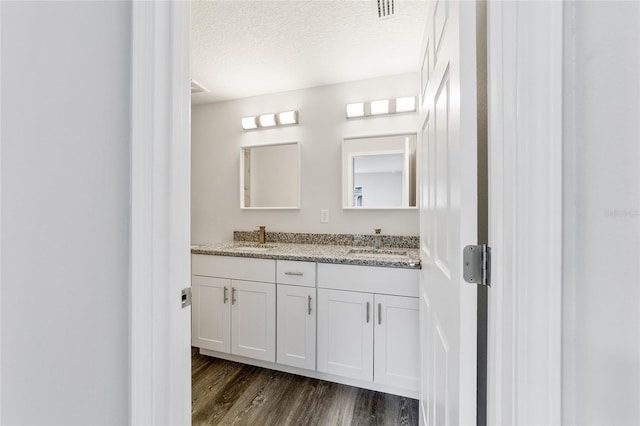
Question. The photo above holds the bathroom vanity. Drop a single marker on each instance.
(339, 313)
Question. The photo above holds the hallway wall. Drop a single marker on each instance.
(65, 105)
(601, 294)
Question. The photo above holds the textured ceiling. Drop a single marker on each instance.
(246, 48)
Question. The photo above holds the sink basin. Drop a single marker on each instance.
(378, 253)
(257, 248)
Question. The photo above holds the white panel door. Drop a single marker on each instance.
(296, 326)
(345, 333)
(396, 337)
(448, 213)
(253, 320)
(211, 313)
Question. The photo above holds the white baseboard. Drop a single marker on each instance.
(313, 374)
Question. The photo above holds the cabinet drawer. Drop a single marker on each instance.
(238, 268)
(296, 273)
(370, 279)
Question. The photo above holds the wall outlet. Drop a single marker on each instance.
(324, 216)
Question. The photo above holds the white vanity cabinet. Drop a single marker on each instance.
(350, 324)
(368, 321)
(234, 308)
(296, 318)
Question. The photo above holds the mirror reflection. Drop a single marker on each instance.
(379, 172)
(270, 176)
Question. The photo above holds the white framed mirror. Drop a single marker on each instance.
(270, 176)
(379, 172)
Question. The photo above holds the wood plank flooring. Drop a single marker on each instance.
(230, 393)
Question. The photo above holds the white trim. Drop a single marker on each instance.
(525, 211)
(1, 375)
(378, 387)
(160, 391)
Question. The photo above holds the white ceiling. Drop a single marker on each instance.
(380, 163)
(246, 48)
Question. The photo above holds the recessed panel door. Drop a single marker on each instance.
(253, 320)
(345, 333)
(448, 213)
(397, 342)
(211, 313)
(296, 328)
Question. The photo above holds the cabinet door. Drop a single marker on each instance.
(345, 333)
(253, 320)
(397, 341)
(296, 326)
(211, 313)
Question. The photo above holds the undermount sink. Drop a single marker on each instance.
(373, 253)
(253, 247)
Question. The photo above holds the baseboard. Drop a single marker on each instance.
(313, 374)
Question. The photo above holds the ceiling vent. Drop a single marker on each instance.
(197, 87)
(385, 8)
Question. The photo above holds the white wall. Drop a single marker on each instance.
(380, 189)
(217, 137)
(601, 294)
(65, 212)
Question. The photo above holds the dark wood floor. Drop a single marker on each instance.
(229, 393)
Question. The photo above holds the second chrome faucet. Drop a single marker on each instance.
(377, 237)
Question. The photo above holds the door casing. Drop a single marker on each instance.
(160, 354)
(525, 182)
(525, 60)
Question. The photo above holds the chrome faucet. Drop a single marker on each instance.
(377, 237)
(262, 234)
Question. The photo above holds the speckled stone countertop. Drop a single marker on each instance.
(323, 253)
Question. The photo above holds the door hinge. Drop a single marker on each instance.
(185, 297)
(476, 268)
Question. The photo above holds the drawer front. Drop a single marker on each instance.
(296, 273)
(238, 268)
(370, 279)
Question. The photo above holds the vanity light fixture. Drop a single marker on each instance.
(355, 110)
(249, 123)
(406, 104)
(285, 118)
(267, 120)
(380, 107)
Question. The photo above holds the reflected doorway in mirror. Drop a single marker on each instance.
(380, 172)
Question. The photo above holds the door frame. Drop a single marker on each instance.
(0, 214)
(160, 354)
(514, 390)
(525, 61)
(525, 180)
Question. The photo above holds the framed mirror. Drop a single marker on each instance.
(379, 172)
(270, 176)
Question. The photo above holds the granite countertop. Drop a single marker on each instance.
(323, 253)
